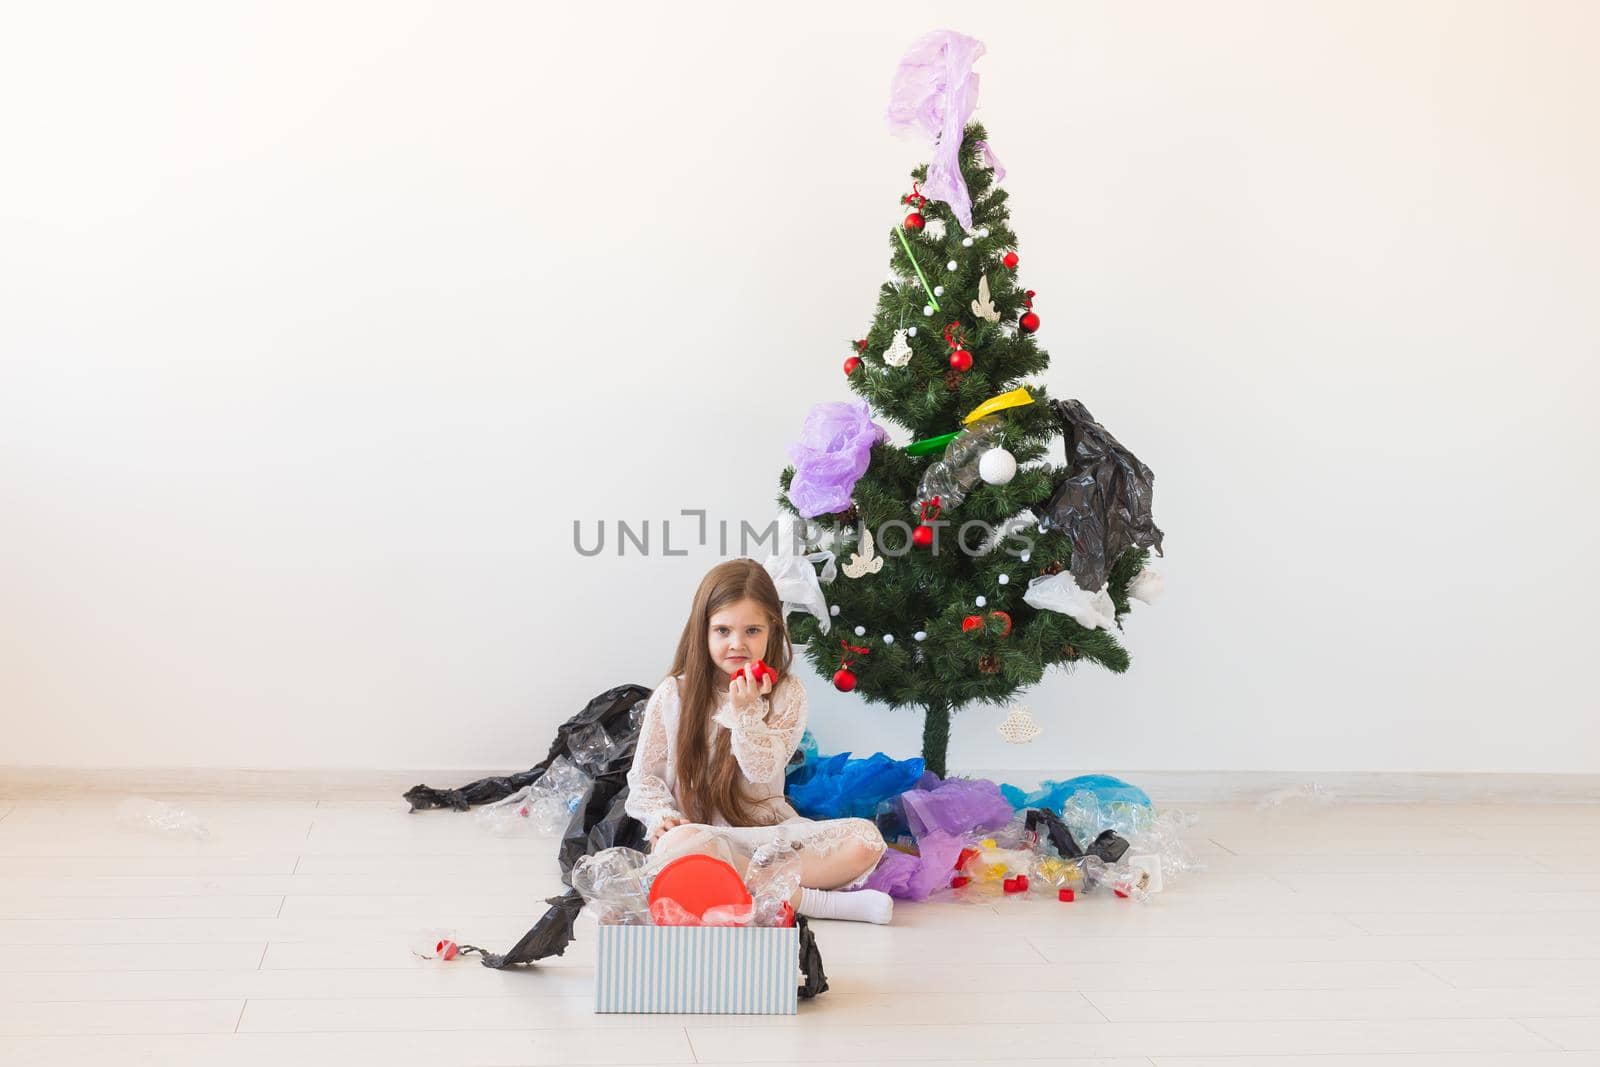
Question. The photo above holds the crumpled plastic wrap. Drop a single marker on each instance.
(1053, 794)
(616, 882)
(1061, 593)
(838, 787)
(591, 746)
(1103, 503)
(795, 575)
(952, 477)
(1142, 829)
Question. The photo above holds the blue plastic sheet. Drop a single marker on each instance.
(838, 787)
(1053, 794)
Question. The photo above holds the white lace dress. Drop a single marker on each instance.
(764, 737)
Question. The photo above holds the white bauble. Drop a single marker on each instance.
(981, 601)
(997, 466)
(888, 639)
(920, 635)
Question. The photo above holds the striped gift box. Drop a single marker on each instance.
(722, 970)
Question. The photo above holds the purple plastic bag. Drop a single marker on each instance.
(831, 456)
(958, 806)
(907, 877)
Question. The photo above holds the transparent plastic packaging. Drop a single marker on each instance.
(543, 808)
(772, 878)
(591, 747)
(145, 814)
(952, 477)
(616, 882)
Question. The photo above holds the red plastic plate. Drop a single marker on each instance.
(699, 882)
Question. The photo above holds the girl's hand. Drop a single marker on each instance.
(744, 690)
(664, 825)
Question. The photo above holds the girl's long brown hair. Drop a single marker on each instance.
(708, 777)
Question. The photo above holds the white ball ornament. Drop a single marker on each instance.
(981, 601)
(1026, 556)
(938, 290)
(927, 309)
(888, 639)
(950, 265)
(984, 232)
(911, 331)
(834, 610)
(920, 635)
(861, 631)
(966, 242)
(1004, 579)
(997, 466)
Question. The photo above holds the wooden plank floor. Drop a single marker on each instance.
(1330, 936)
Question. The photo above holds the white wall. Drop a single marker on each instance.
(320, 324)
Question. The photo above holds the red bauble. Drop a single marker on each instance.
(861, 345)
(971, 623)
(851, 364)
(1029, 322)
(922, 536)
(844, 679)
(961, 360)
(1005, 621)
(1010, 260)
(914, 221)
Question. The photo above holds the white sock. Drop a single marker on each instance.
(860, 905)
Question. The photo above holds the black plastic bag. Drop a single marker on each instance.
(1103, 503)
(611, 709)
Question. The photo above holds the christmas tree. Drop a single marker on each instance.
(974, 564)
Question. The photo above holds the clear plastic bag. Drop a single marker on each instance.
(616, 881)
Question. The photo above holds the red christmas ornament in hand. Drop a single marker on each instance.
(1028, 323)
(961, 360)
(844, 679)
(759, 672)
(851, 364)
(1010, 260)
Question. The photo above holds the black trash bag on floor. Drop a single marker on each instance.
(611, 709)
(602, 822)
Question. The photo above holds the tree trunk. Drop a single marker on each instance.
(936, 737)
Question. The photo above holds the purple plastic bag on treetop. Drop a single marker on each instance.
(831, 456)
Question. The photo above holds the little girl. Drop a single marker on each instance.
(715, 742)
